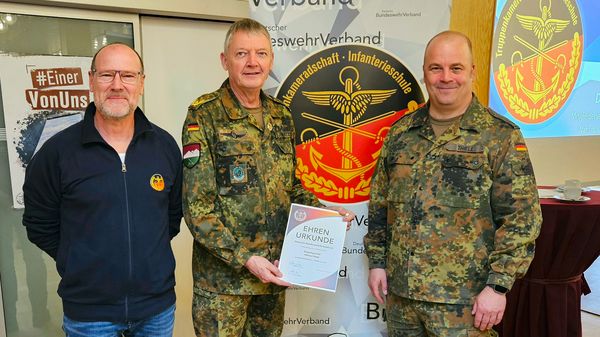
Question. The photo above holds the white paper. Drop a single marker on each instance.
(312, 249)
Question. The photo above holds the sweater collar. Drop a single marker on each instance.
(89, 133)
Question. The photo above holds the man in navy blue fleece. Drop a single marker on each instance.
(103, 198)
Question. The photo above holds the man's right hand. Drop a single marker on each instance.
(265, 271)
(378, 284)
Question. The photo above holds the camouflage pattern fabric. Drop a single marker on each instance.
(410, 318)
(449, 215)
(219, 315)
(239, 182)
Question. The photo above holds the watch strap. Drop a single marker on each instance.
(498, 288)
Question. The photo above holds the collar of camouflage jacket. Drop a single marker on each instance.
(473, 118)
(234, 109)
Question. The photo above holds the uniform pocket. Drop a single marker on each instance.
(523, 177)
(283, 165)
(399, 194)
(478, 333)
(235, 167)
(284, 146)
(521, 165)
(205, 294)
(462, 180)
(400, 177)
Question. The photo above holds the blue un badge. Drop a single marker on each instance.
(238, 173)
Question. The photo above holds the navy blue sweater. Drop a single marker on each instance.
(107, 224)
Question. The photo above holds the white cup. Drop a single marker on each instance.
(572, 189)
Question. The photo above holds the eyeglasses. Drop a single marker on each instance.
(108, 76)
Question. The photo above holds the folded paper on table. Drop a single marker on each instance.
(546, 193)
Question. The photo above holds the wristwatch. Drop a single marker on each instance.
(498, 289)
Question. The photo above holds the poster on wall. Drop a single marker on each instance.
(41, 95)
(545, 73)
(347, 69)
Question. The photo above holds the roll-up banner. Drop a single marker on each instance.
(347, 69)
(41, 95)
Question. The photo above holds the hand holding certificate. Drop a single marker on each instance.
(312, 248)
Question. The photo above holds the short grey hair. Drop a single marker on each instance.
(245, 25)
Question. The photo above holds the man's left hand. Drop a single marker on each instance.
(488, 308)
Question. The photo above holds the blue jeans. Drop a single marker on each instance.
(159, 325)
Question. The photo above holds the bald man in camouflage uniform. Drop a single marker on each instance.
(239, 182)
(454, 211)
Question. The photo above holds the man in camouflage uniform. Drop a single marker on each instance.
(239, 182)
(454, 211)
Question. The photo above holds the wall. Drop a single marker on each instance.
(2, 327)
(204, 9)
(169, 89)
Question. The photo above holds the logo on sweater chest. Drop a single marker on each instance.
(157, 182)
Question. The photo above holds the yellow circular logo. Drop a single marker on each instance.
(157, 182)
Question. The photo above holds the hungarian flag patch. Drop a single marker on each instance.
(191, 155)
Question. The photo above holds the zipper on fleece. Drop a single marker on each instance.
(124, 171)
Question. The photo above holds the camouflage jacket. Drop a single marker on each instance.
(239, 182)
(449, 215)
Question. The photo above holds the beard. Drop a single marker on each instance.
(114, 111)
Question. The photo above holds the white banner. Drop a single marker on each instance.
(41, 95)
(347, 69)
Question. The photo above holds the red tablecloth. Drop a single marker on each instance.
(546, 302)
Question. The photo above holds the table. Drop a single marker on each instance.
(546, 302)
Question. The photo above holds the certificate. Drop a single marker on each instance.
(312, 248)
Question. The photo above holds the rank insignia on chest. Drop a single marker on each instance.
(238, 173)
(191, 155)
